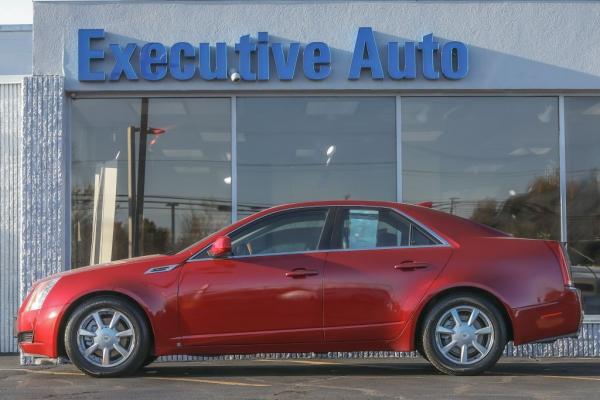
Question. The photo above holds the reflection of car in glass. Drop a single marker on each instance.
(587, 279)
(312, 277)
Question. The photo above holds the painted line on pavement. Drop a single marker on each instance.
(209, 381)
(580, 378)
(32, 371)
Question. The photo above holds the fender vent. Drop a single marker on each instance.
(25, 337)
(164, 268)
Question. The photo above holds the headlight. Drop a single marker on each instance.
(40, 293)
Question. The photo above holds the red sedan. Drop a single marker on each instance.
(312, 277)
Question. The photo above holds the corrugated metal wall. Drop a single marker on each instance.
(10, 136)
(42, 213)
(42, 231)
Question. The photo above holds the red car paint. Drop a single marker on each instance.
(348, 300)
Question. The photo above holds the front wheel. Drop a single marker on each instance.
(464, 334)
(106, 337)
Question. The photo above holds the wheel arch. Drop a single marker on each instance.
(60, 343)
(487, 294)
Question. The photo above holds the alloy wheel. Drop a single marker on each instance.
(464, 335)
(106, 337)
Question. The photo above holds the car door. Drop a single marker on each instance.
(269, 291)
(377, 271)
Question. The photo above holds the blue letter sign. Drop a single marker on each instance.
(86, 54)
(183, 61)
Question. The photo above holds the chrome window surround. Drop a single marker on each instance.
(441, 241)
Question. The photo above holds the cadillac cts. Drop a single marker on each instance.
(312, 277)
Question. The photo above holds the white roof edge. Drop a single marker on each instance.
(4, 79)
(16, 28)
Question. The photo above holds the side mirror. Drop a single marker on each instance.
(220, 247)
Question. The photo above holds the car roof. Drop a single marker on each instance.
(452, 228)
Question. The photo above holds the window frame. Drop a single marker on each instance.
(324, 239)
(327, 235)
(338, 224)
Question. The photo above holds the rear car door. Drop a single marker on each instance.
(379, 267)
(269, 291)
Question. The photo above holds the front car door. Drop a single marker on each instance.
(269, 291)
(379, 267)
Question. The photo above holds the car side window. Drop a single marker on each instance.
(284, 232)
(370, 228)
(419, 238)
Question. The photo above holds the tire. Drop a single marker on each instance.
(119, 348)
(149, 360)
(444, 340)
(420, 350)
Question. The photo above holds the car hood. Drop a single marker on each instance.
(154, 259)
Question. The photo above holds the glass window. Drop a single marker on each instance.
(491, 159)
(582, 129)
(185, 178)
(369, 228)
(419, 238)
(314, 148)
(285, 232)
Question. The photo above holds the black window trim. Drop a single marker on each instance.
(412, 224)
(324, 238)
(329, 227)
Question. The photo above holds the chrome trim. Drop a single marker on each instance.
(325, 250)
(443, 242)
(164, 268)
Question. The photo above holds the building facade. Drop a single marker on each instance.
(206, 111)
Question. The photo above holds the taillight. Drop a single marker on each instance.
(560, 251)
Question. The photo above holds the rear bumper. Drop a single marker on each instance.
(37, 331)
(549, 321)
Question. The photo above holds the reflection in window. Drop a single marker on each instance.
(312, 148)
(582, 127)
(285, 232)
(491, 159)
(186, 177)
(368, 228)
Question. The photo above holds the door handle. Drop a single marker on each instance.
(410, 265)
(301, 273)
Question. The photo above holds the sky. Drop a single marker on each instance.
(16, 12)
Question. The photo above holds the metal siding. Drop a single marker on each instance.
(42, 176)
(10, 134)
(43, 182)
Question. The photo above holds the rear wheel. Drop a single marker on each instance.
(106, 337)
(464, 334)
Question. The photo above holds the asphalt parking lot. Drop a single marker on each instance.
(307, 379)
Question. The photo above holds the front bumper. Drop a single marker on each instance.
(38, 330)
(549, 321)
